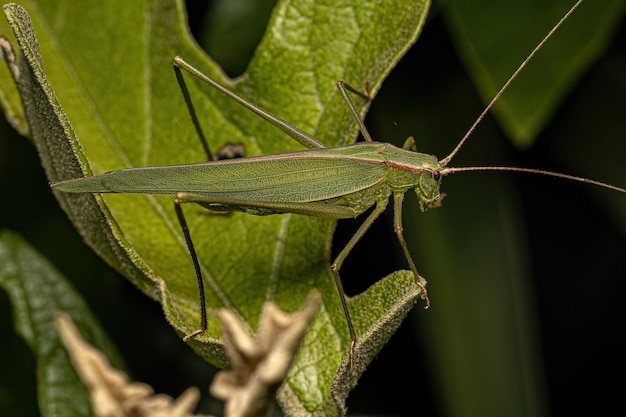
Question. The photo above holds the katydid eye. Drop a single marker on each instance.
(436, 175)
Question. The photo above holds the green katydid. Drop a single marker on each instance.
(333, 182)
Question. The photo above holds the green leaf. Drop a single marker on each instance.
(37, 292)
(534, 97)
(111, 73)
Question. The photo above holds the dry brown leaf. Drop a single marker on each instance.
(260, 365)
(112, 394)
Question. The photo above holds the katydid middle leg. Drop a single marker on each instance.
(336, 265)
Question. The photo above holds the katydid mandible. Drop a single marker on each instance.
(332, 182)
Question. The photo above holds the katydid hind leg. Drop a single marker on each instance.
(300, 136)
(343, 90)
(192, 111)
(196, 265)
(336, 265)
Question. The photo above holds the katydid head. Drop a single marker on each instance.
(421, 171)
(428, 189)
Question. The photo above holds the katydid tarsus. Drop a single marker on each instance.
(332, 182)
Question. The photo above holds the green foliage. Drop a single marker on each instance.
(38, 292)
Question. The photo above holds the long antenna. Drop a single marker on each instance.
(447, 171)
(448, 158)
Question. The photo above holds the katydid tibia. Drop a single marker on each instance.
(332, 182)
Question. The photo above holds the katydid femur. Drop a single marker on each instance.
(332, 182)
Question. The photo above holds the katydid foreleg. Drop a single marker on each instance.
(397, 227)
